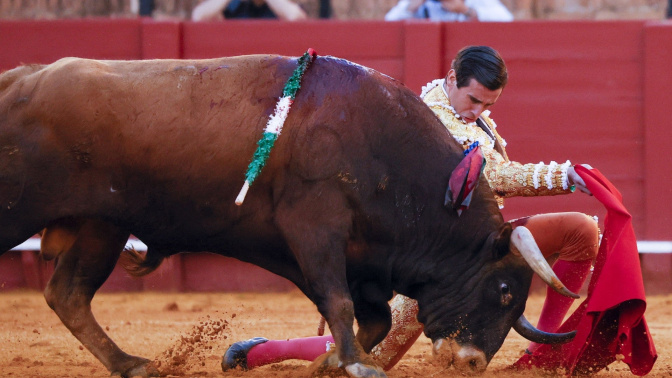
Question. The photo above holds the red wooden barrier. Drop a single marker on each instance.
(46, 41)
(376, 45)
(161, 40)
(11, 271)
(657, 170)
(657, 51)
(593, 92)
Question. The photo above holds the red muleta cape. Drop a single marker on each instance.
(610, 322)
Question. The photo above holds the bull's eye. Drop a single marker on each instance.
(504, 288)
(506, 294)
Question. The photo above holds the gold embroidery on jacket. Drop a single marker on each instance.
(506, 178)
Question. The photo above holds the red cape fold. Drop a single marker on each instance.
(610, 322)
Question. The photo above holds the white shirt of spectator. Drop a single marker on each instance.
(487, 10)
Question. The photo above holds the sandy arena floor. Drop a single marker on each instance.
(187, 334)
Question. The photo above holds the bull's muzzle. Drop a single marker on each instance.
(465, 358)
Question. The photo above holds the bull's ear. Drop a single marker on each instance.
(502, 243)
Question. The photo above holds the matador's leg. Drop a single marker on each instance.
(405, 331)
(258, 352)
(573, 238)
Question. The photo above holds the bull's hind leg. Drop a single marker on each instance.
(87, 253)
(316, 225)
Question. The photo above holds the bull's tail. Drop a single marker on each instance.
(138, 264)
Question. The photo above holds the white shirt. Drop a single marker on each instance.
(487, 10)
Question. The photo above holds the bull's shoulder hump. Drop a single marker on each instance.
(196, 66)
(11, 76)
(251, 59)
(84, 66)
(344, 64)
(71, 67)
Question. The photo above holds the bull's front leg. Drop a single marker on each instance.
(372, 312)
(319, 242)
(329, 291)
(338, 309)
(87, 252)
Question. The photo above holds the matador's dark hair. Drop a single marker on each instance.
(482, 63)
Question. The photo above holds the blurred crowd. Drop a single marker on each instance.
(454, 10)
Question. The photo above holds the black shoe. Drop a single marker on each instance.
(236, 355)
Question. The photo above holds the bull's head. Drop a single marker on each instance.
(470, 332)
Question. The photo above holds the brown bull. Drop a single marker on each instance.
(349, 206)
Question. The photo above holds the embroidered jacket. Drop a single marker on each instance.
(506, 178)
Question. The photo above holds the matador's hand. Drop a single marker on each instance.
(576, 180)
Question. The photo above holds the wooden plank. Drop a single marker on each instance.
(210, 272)
(25, 42)
(351, 40)
(657, 167)
(423, 54)
(551, 41)
(11, 271)
(161, 39)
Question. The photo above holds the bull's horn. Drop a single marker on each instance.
(522, 239)
(528, 331)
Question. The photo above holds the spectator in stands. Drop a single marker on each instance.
(146, 8)
(450, 10)
(210, 10)
(669, 9)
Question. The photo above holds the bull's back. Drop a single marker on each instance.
(153, 115)
(121, 139)
(188, 107)
(158, 112)
(166, 142)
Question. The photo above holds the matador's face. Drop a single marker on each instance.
(471, 100)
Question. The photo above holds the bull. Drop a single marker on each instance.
(349, 206)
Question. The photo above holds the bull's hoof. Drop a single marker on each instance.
(358, 370)
(326, 364)
(330, 365)
(144, 369)
(236, 355)
(326, 361)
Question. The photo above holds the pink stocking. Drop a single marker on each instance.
(307, 348)
(572, 274)
(405, 330)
